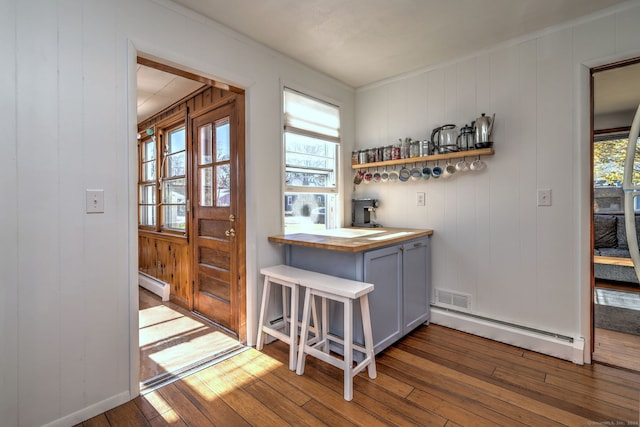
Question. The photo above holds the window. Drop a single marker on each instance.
(311, 143)
(163, 179)
(609, 152)
(174, 180)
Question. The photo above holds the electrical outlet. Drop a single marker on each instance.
(420, 198)
(544, 197)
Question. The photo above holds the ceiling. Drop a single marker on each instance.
(359, 42)
(363, 41)
(158, 90)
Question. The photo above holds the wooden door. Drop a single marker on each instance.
(218, 227)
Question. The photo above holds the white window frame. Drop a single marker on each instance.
(333, 219)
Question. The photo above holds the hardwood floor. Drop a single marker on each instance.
(617, 348)
(433, 377)
(614, 347)
(173, 340)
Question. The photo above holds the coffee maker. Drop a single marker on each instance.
(363, 212)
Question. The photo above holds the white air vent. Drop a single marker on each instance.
(453, 299)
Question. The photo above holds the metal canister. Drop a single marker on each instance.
(362, 157)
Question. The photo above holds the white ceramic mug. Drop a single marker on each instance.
(416, 174)
(448, 170)
(393, 176)
(384, 176)
(462, 166)
(477, 165)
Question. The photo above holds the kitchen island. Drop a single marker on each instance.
(395, 260)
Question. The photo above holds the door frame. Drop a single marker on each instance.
(131, 160)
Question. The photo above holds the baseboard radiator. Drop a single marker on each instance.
(552, 344)
(154, 285)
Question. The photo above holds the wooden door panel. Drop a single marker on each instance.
(215, 258)
(213, 228)
(215, 283)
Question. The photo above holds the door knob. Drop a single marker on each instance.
(232, 217)
(230, 233)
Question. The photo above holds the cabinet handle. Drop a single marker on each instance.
(417, 245)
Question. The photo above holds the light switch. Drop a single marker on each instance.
(544, 197)
(420, 196)
(95, 201)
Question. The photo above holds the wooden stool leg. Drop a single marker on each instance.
(263, 311)
(324, 325)
(304, 330)
(293, 328)
(348, 349)
(368, 335)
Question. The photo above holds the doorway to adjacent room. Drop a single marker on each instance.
(616, 288)
(191, 222)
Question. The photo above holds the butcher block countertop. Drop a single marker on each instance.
(351, 239)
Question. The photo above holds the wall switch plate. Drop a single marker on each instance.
(95, 201)
(544, 197)
(420, 198)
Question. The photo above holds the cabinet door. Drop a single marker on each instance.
(383, 268)
(416, 281)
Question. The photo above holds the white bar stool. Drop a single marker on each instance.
(287, 277)
(343, 291)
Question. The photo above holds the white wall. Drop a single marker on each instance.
(68, 125)
(520, 263)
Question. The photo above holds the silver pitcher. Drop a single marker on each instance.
(484, 131)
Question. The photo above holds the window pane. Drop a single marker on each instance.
(176, 164)
(176, 140)
(149, 150)
(308, 211)
(222, 140)
(174, 191)
(174, 217)
(310, 162)
(222, 185)
(608, 171)
(148, 215)
(147, 194)
(205, 145)
(149, 171)
(206, 186)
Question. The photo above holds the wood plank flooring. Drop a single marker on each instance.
(433, 377)
(174, 340)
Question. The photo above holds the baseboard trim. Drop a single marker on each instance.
(91, 411)
(153, 285)
(530, 339)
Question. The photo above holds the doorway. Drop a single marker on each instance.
(615, 286)
(179, 194)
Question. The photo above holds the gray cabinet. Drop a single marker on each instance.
(400, 273)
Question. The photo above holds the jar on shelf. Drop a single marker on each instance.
(387, 153)
(405, 148)
(396, 153)
(355, 158)
(414, 149)
(371, 155)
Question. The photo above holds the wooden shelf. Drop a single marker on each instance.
(432, 158)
